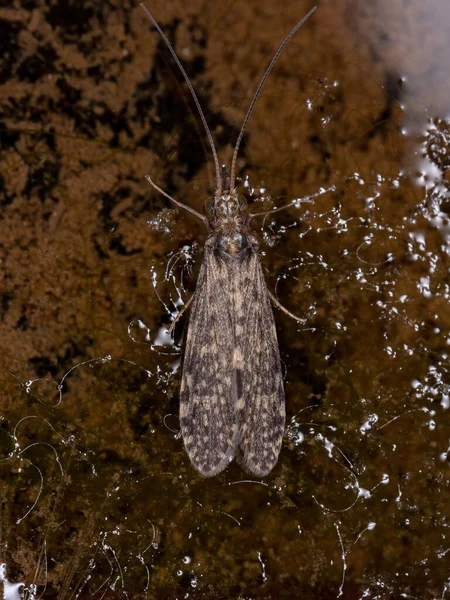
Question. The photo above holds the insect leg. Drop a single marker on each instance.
(295, 202)
(180, 314)
(180, 204)
(274, 210)
(285, 310)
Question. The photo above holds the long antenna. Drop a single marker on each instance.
(194, 96)
(255, 97)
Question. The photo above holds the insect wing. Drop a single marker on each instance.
(208, 392)
(261, 405)
(232, 388)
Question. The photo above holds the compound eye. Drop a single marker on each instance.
(210, 205)
(242, 203)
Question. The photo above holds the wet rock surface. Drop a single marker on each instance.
(98, 496)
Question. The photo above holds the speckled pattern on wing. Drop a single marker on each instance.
(207, 406)
(232, 390)
(261, 408)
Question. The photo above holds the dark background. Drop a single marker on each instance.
(98, 498)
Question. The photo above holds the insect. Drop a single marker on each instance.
(232, 398)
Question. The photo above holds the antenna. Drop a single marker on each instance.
(194, 96)
(258, 91)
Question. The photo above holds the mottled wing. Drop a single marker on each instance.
(261, 406)
(208, 392)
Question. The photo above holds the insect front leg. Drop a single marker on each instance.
(177, 202)
(295, 202)
(285, 310)
(274, 210)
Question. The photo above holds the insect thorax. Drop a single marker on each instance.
(229, 223)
